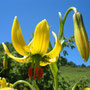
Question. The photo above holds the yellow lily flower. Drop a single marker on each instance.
(5, 85)
(39, 45)
(7, 89)
(86, 88)
(35, 51)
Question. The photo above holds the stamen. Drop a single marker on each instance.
(40, 73)
(37, 70)
(37, 73)
(34, 77)
(30, 72)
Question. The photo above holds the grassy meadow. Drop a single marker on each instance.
(74, 74)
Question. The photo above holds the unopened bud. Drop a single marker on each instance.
(5, 61)
(81, 37)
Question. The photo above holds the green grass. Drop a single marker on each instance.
(74, 74)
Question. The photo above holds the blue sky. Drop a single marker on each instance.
(30, 12)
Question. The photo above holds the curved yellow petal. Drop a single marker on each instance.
(55, 52)
(4, 82)
(49, 61)
(53, 60)
(86, 88)
(7, 88)
(41, 38)
(44, 63)
(23, 60)
(1, 84)
(18, 40)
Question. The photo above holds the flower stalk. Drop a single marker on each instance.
(62, 22)
(76, 84)
(23, 82)
(36, 86)
(54, 70)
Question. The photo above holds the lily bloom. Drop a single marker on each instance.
(36, 50)
(4, 85)
(7, 89)
(86, 88)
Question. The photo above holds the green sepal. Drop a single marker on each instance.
(61, 35)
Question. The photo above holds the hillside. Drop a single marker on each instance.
(74, 74)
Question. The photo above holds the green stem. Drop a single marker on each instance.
(56, 82)
(67, 12)
(22, 81)
(62, 22)
(74, 87)
(76, 84)
(53, 66)
(54, 70)
(36, 86)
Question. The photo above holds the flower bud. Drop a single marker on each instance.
(5, 61)
(81, 37)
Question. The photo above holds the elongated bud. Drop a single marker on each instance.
(5, 61)
(81, 37)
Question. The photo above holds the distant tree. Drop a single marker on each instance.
(83, 65)
(71, 64)
(62, 61)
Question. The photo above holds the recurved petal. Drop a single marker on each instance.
(23, 60)
(41, 38)
(18, 40)
(4, 82)
(53, 59)
(56, 50)
(44, 63)
(1, 84)
(49, 61)
(7, 88)
(86, 88)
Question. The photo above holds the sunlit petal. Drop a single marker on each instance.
(4, 82)
(44, 63)
(1, 83)
(49, 61)
(18, 40)
(53, 59)
(86, 88)
(23, 60)
(41, 38)
(55, 52)
(7, 88)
